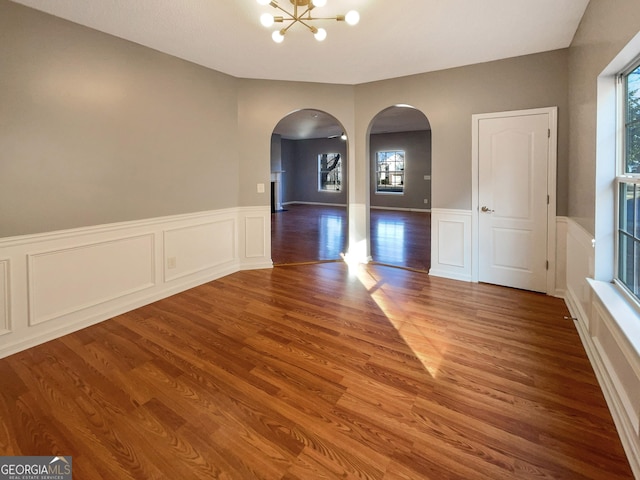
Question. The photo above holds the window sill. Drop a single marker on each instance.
(625, 315)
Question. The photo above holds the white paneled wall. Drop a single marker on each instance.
(5, 298)
(610, 332)
(561, 257)
(65, 280)
(210, 244)
(55, 283)
(580, 266)
(451, 244)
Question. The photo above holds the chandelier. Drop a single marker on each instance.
(302, 14)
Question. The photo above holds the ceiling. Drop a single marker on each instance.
(393, 39)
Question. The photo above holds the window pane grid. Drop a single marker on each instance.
(390, 172)
(629, 236)
(329, 172)
(628, 218)
(632, 122)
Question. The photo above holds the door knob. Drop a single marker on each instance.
(486, 209)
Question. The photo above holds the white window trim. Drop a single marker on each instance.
(319, 173)
(622, 177)
(608, 167)
(404, 172)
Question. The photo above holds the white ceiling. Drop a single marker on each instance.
(394, 37)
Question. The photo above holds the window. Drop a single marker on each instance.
(329, 172)
(390, 172)
(628, 184)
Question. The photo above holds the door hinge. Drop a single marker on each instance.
(548, 199)
(547, 265)
(548, 133)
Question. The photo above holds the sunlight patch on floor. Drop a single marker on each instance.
(430, 352)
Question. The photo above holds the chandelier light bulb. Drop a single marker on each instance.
(266, 19)
(321, 34)
(306, 19)
(352, 17)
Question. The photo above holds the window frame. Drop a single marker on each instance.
(338, 180)
(378, 171)
(624, 178)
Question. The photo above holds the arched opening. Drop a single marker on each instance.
(309, 188)
(400, 188)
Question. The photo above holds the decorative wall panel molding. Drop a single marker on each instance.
(192, 249)
(561, 257)
(255, 229)
(66, 280)
(63, 281)
(451, 244)
(580, 266)
(5, 305)
(610, 332)
(624, 379)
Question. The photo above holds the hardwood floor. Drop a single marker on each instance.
(401, 238)
(308, 233)
(315, 372)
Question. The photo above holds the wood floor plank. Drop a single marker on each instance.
(319, 372)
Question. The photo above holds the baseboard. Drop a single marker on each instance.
(611, 386)
(108, 311)
(322, 204)
(54, 283)
(434, 272)
(615, 361)
(400, 209)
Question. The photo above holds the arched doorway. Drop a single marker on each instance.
(400, 188)
(309, 188)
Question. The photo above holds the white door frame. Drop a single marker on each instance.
(551, 189)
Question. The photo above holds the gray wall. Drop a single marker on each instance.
(417, 148)
(276, 153)
(95, 130)
(300, 165)
(604, 30)
(450, 97)
(261, 105)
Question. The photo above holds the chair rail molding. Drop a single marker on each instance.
(55, 283)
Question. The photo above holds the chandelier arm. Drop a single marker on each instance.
(306, 12)
(302, 18)
(304, 22)
(339, 18)
(276, 6)
(286, 29)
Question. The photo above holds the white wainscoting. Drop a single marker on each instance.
(69, 279)
(580, 266)
(451, 244)
(5, 298)
(54, 283)
(210, 244)
(561, 257)
(610, 332)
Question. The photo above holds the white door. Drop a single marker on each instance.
(513, 159)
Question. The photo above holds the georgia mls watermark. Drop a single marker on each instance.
(35, 468)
